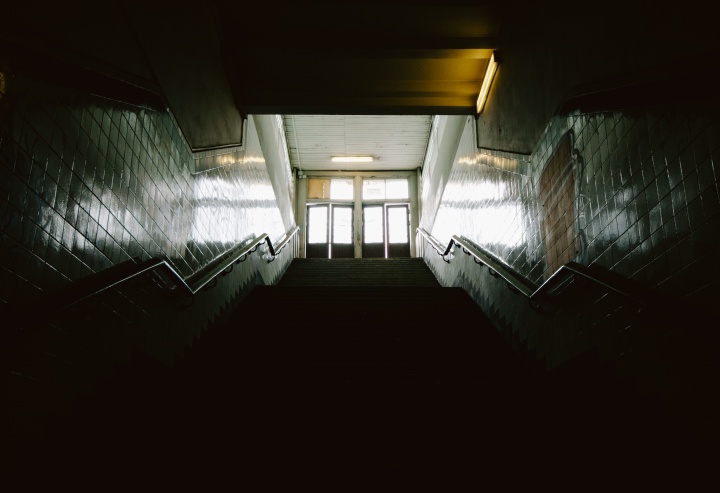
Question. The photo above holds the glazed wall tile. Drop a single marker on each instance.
(646, 200)
(88, 183)
(646, 207)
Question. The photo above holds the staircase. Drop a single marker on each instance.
(353, 370)
(373, 273)
(367, 364)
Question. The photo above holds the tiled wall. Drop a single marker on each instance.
(646, 206)
(85, 184)
(646, 198)
(88, 183)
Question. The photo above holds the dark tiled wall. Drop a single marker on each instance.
(85, 184)
(646, 198)
(646, 207)
(88, 183)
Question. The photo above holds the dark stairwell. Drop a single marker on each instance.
(364, 365)
(350, 369)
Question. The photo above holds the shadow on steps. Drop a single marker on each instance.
(309, 383)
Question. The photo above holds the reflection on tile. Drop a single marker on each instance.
(646, 205)
(637, 174)
(637, 214)
(88, 183)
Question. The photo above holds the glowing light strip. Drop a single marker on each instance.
(352, 159)
(487, 80)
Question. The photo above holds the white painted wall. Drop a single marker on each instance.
(275, 152)
(442, 147)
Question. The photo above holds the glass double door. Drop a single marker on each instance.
(385, 231)
(330, 231)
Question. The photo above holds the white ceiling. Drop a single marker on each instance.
(397, 142)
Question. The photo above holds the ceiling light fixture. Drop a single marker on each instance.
(487, 80)
(352, 159)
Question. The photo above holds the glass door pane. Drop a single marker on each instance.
(373, 232)
(398, 220)
(317, 233)
(342, 232)
(397, 224)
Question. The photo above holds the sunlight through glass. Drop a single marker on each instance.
(342, 225)
(373, 189)
(397, 225)
(341, 189)
(317, 225)
(373, 225)
(396, 189)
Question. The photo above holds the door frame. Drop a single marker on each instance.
(387, 220)
(385, 217)
(330, 244)
(357, 177)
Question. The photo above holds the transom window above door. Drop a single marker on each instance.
(385, 189)
(330, 188)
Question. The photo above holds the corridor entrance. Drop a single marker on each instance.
(357, 215)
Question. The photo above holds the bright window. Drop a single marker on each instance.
(341, 189)
(396, 189)
(373, 189)
(379, 189)
(334, 189)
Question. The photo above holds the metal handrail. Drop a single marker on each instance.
(94, 285)
(519, 283)
(274, 251)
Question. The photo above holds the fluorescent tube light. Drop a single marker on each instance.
(487, 80)
(352, 159)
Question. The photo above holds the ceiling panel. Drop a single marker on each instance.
(397, 142)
